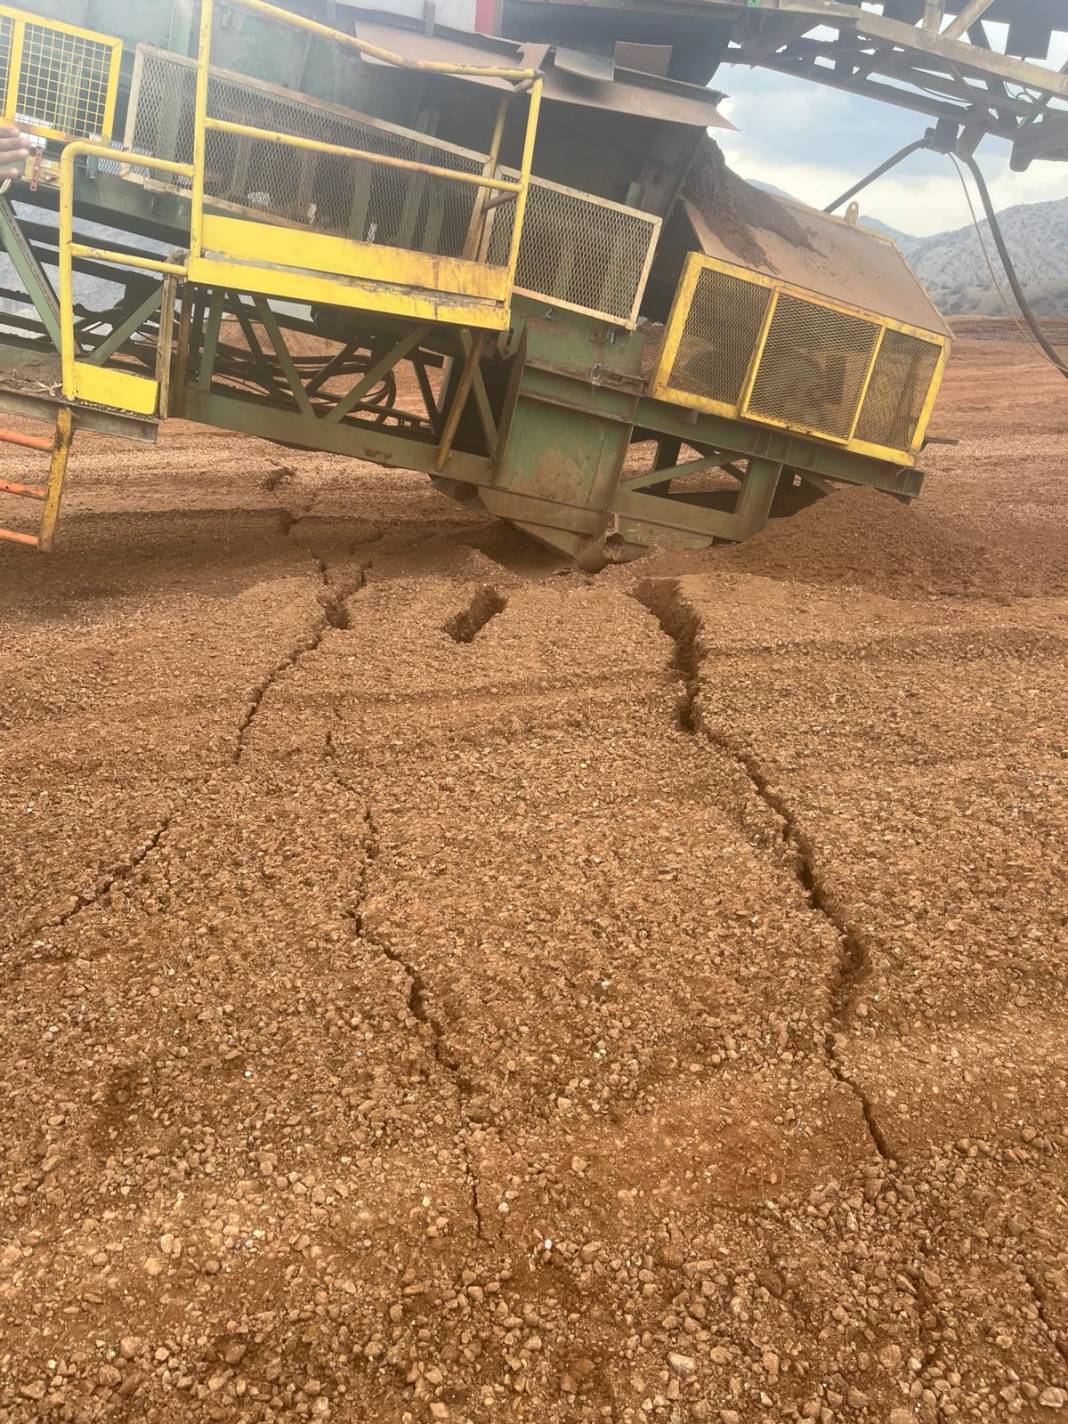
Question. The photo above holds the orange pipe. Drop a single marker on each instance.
(30, 539)
(30, 491)
(31, 442)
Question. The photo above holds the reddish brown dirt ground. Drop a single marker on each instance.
(651, 1008)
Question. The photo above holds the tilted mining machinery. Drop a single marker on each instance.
(512, 260)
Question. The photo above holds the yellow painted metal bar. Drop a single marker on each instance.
(14, 63)
(524, 176)
(68, 353)
(932, 396)
(164, 339)
(314, 145)
(476, 228)
(676, 323)
(300, 22)
(57, 471)
(120, 390)
(287, 252)
(200, 135)
(112, 95)
(126, 259)
(758, 353)
(876, 348)
(368, 294)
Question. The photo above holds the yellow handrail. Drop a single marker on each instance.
(523, 79)
(430, 66)
(314, 145)
(69, 249)
(203, 124)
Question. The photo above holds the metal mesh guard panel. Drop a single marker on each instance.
(577, 250)
(342, 196)
(813, 367)
(904, 370)
(63, 82)
(719, 338)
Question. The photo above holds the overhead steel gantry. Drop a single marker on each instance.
(991, 66)
(937, 57)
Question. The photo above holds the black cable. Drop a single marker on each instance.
(1010, 269)
(940, 139)
(898, 157)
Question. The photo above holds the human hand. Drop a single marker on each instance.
(14, 150)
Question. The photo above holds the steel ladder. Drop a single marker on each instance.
(51, 492)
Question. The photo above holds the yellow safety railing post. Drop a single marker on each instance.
(200, 130)
(14, 68)
(524, 175)
(57, 472)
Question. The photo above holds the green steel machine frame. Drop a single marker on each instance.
(516, 266)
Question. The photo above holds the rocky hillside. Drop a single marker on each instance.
(951, 265)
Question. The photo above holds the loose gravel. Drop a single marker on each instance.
(439, 985)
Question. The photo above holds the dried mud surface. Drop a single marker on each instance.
(437, 985)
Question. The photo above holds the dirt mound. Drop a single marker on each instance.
(869, 539)
(734, 209)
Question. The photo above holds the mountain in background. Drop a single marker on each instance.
(952, 267)
(904, 240)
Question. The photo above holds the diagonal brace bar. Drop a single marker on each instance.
(31, 274)
(121, 333)
(270, 324)
(371, 377)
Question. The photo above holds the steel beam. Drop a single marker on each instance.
(31, 274)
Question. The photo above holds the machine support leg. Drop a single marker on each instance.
(667, 455)
(211, 340)
(755, 496)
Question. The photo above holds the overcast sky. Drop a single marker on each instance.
(814, 142)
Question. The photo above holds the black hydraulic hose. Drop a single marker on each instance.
(1010, 269)
(898, 157)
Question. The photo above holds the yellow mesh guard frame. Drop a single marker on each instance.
(742, 344)
(58, 81)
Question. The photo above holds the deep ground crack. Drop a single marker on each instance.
(83, 901)
(465, 626)
(682, 624)
(419, 1010)
(332, 598)
(1060, 1345)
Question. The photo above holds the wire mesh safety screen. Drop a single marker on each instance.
(578, 250)
(810, 368)
(326, 192)
(904, 370)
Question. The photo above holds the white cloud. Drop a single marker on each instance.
(918, 203)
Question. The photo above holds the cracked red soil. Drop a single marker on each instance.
(413, 1012)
